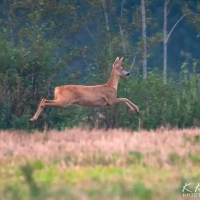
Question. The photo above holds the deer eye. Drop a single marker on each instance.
(122, 69)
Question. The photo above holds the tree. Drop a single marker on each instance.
(121, 30)
(144, 39)
(166, 36)
(165, 43)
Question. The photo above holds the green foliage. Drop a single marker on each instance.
(196, 138)
(175, 159)
(134, 157)
(142, 192)
(195, 157)
(27, 171)
(40, 180)
(39, 42)
(13, 192)
(174, 105)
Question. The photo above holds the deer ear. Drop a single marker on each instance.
(116, 60)
(121, 59)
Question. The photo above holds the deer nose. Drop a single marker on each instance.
(127, 74)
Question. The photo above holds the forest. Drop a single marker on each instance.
(45, 44)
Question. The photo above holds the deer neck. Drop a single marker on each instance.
(113, 81)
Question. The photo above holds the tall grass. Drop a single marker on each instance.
(98, 164)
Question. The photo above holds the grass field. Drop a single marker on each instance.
(101, 165)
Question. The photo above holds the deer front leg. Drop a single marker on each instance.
(130, 104)
(131, 108)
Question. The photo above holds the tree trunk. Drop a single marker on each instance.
(144, 39)
(121, 30)
(166, 36)
(9, 8)
(107, 24)
(165, 43)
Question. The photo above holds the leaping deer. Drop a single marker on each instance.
(91, 96)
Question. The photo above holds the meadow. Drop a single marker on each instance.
(96, 164)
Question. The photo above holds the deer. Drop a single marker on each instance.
(89, 96)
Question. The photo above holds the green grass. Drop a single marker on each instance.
(38, 180)
(108, 165)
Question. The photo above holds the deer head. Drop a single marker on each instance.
(118, 69)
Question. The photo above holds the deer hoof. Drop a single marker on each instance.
(137, 110)
(32, 119)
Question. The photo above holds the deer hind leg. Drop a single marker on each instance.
(51, 103)
(130, 104)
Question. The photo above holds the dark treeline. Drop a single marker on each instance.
(45, 43)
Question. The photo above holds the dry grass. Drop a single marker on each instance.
(155, 146)
(98, 164)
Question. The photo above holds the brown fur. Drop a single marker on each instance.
(91, 96)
